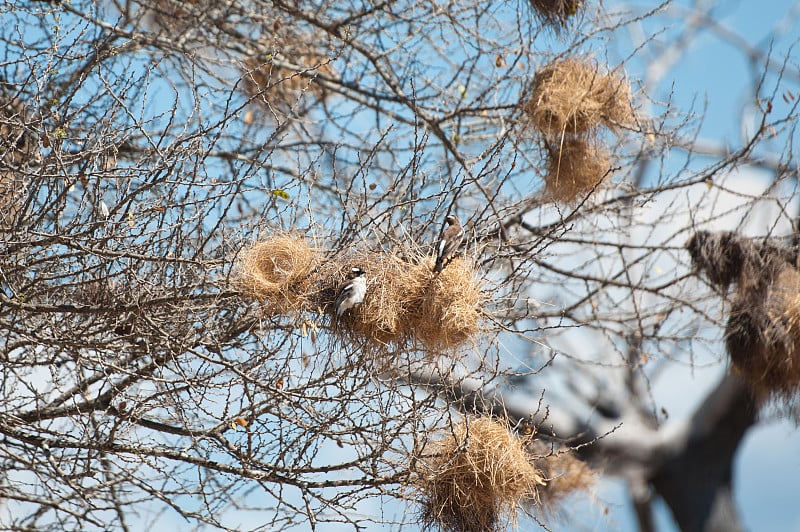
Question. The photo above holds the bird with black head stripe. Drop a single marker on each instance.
(352, 293)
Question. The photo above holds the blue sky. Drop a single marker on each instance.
(712, 77)
(715, 75)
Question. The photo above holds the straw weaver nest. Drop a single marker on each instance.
(570, 100)
(477, 475)
(278, 271)
(762, 335)
(446, 312)
(575, 168)
(406, 303)
(573, 97)
(393, 289)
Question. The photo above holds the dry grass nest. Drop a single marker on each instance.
(405, 301)
(277, 86)
(726, 258)
(446, 312)
(575, 168)
(278, 272)
(394, 287)
(476, 477)
(573, 97)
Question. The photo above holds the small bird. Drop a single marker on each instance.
(451, 239)
(353, 291)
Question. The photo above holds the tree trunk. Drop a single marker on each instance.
(696, 482)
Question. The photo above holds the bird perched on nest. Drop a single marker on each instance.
(353, 292)
(448, 244)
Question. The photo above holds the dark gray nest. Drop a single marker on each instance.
(557, 13)
(726, 258)
(455, 520)
(761, 336)
(748, 335)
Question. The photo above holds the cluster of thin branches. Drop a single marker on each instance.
(145, 144)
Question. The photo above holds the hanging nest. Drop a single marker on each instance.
(393, 287)
(726, 258)
(762, 335)
(446, 311)
(557, 13)
(475, 477)
(269, 80)
(721, 256)
(407, 302)
(573, 97)
(393, 291)
(574, 169)
(278, 272)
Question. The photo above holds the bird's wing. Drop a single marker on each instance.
(442, 245)
(346, 289)
(344, 293)
(452, 239)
